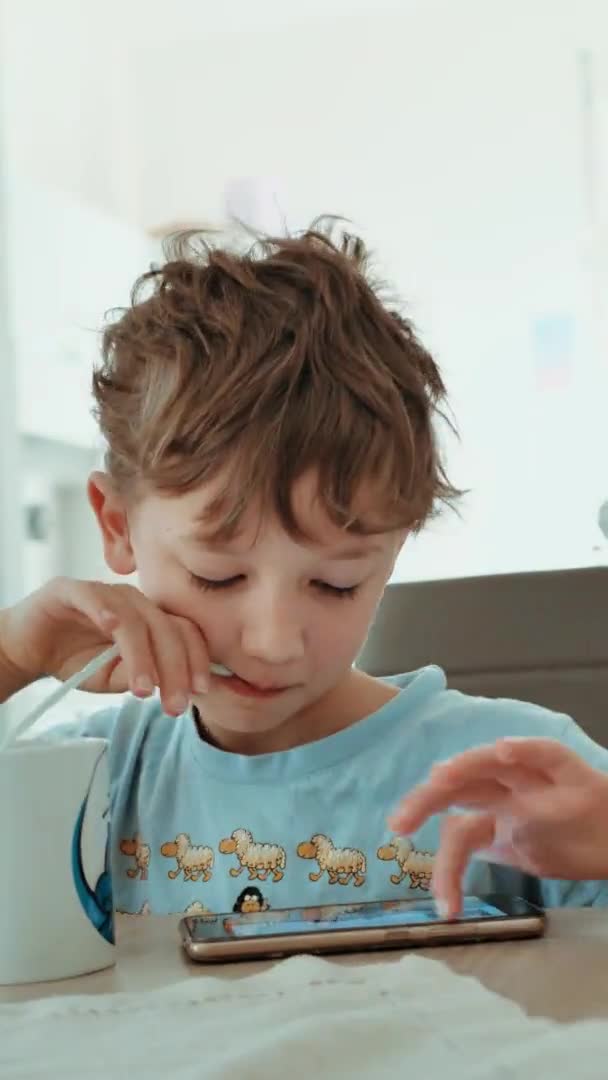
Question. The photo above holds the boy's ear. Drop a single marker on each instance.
(110, 510)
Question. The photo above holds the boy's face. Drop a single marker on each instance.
(287, 617)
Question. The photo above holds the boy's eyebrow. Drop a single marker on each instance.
(360, 552)
(220, 546)
(200, 535)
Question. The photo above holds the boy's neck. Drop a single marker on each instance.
(356, 697)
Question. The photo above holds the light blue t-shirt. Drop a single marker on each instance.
(197, 829)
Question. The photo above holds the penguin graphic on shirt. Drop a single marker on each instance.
(250, 900)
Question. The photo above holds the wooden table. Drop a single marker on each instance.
(564, 976)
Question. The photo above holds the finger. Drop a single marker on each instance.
(548, 756)
(438, 795)
(486, 762)
(91, 599)
(461, 836)
(198, 657)
(171, 659)
(108, 608)
(449, 778)
(132, 637)
(116, 681)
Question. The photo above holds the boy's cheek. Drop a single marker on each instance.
(337, 645)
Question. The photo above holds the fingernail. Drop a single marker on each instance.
(200, 684)
(108, 618)
(440, 769)
(507, 748)
(178, 704)
(143, 685)
(441, 906)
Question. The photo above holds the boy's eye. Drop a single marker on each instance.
(211, 583)
(335, 590)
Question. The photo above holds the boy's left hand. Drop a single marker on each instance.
(529, 803)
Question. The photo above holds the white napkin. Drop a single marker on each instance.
(306, 1018)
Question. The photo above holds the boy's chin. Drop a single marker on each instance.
(246, 718)
(250, 731)
(250, 715)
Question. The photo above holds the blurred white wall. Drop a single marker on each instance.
(454, 133)
(62, 537)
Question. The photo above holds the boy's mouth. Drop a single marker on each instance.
(245, 688)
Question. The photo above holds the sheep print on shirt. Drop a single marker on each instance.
(198, 830)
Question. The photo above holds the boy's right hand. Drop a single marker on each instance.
(532, 803)
(63, 625)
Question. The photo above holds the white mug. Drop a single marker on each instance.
(56, 912)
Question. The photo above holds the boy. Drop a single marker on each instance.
(269, 423)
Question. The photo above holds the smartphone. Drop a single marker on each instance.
(390, 924)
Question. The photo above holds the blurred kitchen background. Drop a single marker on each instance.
(466, 139)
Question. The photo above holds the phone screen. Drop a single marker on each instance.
(366, 916)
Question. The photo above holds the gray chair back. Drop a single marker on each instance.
(540, 637)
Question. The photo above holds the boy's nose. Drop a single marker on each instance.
(273, 637)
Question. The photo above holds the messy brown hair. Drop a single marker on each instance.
(252, 367)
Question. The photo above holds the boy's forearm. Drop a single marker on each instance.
(11, 679)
